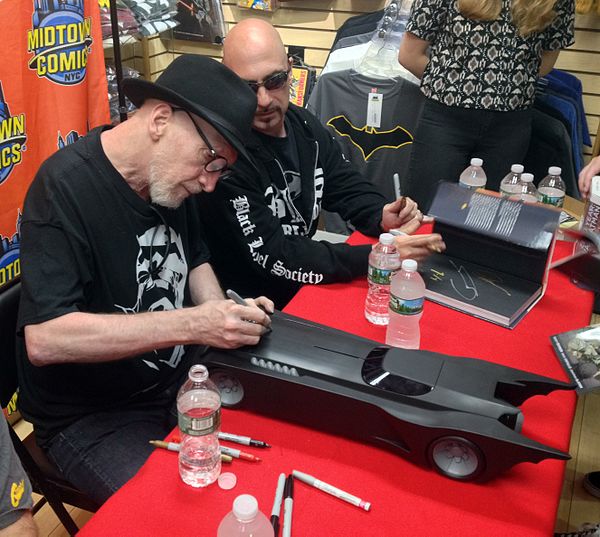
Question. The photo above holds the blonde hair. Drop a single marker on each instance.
(529, 16)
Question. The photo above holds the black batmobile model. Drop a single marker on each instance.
(457, 415)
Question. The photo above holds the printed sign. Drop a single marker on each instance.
(52, 90)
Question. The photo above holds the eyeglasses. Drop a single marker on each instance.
(274, 82)
(217, 163)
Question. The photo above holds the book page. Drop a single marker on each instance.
(476, 289)
(523, 224)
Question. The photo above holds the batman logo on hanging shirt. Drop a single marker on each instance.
(369, 139)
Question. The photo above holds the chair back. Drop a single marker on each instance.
(9, 308)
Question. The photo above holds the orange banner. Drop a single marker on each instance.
(52, 91)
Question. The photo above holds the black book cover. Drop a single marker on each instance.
(497, 252)
(583, 265)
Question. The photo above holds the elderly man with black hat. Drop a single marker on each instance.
(116, 280)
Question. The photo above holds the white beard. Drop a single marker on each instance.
(161, 189)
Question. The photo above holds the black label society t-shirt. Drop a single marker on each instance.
(286, 152)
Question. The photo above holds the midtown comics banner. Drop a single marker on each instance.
(52, 91)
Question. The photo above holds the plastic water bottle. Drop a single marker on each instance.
(511, 184)
(406, 307)
(552, 188)
(473, 177)
(528, 191)
(245, 520)
(384, 260)
(199, 413)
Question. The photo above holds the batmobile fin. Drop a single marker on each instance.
(524, 385)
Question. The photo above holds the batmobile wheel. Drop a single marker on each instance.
(230, 387)
(456, 457)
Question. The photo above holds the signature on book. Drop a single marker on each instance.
(466, 286)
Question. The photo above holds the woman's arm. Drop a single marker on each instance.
(549, 58)
(413, 54)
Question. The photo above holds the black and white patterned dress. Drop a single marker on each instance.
(484, 64)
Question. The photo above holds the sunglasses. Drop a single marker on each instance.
(217, 163)
(274, 82)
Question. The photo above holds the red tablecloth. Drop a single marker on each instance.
(406, 500)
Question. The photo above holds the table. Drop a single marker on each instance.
(406, 500)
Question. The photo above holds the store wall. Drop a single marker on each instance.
(313, 23)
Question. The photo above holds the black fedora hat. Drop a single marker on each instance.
(205, 87)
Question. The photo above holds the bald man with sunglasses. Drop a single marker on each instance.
(261, 222)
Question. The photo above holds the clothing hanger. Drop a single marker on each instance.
(381, 58)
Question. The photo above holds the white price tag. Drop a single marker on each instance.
(374, 109)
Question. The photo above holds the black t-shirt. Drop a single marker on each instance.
(285, 151)
(91, 244)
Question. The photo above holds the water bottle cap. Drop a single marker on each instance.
(386, 238)
(517, 168)
(245, 507)
(198, 373)
(409, 265)
(476, 161)
(227, 480)
(527, 177)
(554, 170)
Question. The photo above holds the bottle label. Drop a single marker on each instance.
(199, 426)
(406, 307)
(557, 201)
(380, 276)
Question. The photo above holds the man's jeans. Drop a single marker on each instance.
(101, 452)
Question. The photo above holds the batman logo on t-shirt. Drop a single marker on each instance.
(369, 139)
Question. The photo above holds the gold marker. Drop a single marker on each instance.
(173, 446)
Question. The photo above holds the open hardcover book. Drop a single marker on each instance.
(497, 254)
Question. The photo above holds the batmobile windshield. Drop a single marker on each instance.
(402, 372)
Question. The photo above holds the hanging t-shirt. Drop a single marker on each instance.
(340, 101)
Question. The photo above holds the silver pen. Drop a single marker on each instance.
(330, 489)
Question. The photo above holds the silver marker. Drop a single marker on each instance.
(236, 298)
(288, 505)
(277, 504)
(396, 179)
(330, 489)
(239, 300)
